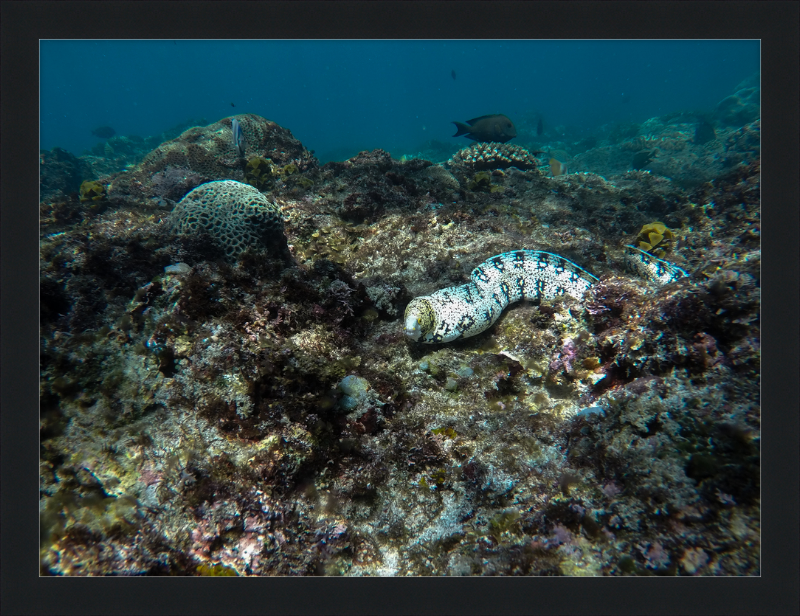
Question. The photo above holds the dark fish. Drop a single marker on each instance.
(232, 105)
(487, 128)
(643, 158)
(704, 132)
(539, 128)
(238, 136)
(453, 73)
(104, 132)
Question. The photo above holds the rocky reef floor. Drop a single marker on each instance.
(266, 415)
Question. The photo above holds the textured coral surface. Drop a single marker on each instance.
(214, 412)
(234, 215)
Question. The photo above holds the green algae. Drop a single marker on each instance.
(259, 173)
(92, 190)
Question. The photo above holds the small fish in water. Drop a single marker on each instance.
(487, 128)
(232, 105)
(704, 132)
(557, 167)
(104, 132)
(453, 73)
(643, 158)
(238, 136)
(539, 128)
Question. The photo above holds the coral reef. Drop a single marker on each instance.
(266, 415)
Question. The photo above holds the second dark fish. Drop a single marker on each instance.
(704, 131)
(487, 128)
(104, 132)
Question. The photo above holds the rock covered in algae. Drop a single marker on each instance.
(355, 390)
(209, 152)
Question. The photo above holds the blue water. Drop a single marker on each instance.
(352, 95)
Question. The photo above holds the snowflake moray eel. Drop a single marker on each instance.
(467, 310)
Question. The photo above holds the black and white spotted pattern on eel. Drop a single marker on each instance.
(467, 310)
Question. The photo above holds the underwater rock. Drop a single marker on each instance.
(372, 183)
(743, 145)
(60, 173)
(209, 151)
(174, 183)
(355, 390)
(739, 108)
(442, 176)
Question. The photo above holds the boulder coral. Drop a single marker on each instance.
(485, 156)
(236, 216)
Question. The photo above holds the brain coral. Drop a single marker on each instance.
(235, 215)
(484, 156)
(209, 151)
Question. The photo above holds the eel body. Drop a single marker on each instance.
(469, 309)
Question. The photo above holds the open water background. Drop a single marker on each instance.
(340, 97)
